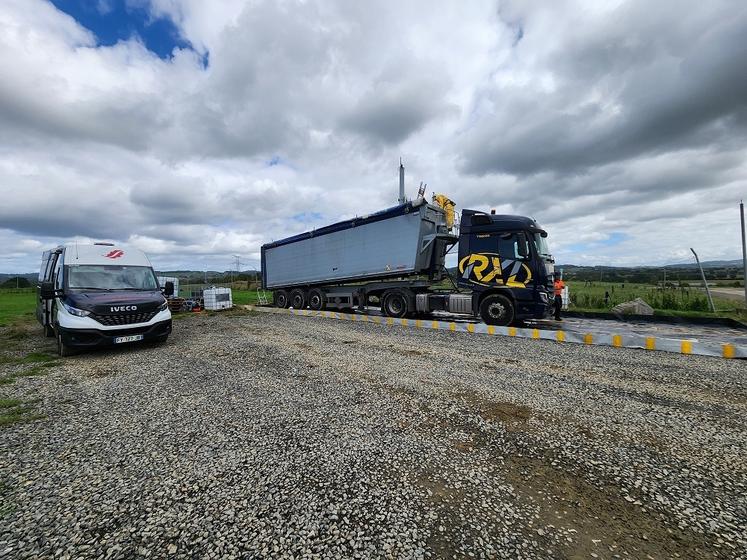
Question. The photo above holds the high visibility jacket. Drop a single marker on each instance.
(559, 285)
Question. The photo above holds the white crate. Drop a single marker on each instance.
(217, 298)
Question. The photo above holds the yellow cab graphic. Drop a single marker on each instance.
(488, 269)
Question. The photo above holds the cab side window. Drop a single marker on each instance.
(58, 280)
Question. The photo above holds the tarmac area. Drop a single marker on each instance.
(260, 435)
(681, 330)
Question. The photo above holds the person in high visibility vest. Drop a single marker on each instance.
(558, 287)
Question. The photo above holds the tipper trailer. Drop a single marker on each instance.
(396, 259)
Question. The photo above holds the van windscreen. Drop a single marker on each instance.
(106, 277)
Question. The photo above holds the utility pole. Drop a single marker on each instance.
(744, 253)
(702, 275)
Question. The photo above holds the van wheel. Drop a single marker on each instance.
(316, 299)
(497, 310)
(395, 305)
(281, 299)
(62, 349)
(298, 299)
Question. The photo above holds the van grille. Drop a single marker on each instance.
(129, 319)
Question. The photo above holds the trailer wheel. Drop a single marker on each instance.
(316, 299)
(281, 299)
(497, 309)
(298, 299)
(395, 305)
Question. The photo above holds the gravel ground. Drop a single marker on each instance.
(278, 436)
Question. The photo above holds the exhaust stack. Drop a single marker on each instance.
(401, 182)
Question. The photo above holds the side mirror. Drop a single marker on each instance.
(168, 289)
(522, 246)
(46, 290)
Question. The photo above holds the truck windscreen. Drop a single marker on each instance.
(105, 277)
(541, 244)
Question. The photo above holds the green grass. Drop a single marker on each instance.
(15, 410)
(16, 307)
(680, 302)
(247, 297)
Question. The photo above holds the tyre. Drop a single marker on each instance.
(395, 305)
(281, 299)
(497, 309)
(63, 350)
(298, 299)
(316, 299)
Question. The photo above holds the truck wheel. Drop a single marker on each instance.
(298, 299)
(498, 310)
(281, 299)
(316, 300)
(395, 305)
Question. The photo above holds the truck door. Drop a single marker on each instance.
(496, 259)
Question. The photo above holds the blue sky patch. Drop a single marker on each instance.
(118, 20)
(307, 217)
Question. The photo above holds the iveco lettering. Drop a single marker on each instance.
(100, 295)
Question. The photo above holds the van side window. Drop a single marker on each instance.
(44, 268)
(58, 274)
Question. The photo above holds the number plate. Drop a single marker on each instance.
(131, 338)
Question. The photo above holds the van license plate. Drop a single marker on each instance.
(131, 338)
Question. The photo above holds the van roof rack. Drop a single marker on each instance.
(103, 243)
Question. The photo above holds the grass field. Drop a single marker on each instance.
(16, 306)
(19, 306)
(683, 302)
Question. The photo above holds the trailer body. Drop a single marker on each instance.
(405, 240)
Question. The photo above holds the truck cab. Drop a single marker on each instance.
(506, 264)
(100, 295)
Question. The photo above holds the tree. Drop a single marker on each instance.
(16, 282)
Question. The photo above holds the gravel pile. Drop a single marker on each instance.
(278, 436)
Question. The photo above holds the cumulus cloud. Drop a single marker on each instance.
(621, 127)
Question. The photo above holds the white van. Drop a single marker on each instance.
(100, 295)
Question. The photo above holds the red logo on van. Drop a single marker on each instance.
(115, 254)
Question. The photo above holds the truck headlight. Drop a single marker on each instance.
(75, 311)
(164, 306)
(543, 297)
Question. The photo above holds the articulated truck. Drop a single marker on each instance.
(395, 259)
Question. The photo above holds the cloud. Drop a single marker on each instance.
(623, 121)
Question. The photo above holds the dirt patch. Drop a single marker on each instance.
(586, 519)
(513, 416)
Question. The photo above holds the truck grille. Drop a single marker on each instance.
(128, 319)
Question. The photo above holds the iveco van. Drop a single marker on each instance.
(100, 295)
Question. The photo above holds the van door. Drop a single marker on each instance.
(46, 274)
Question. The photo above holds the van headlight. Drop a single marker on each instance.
(75, 311)
(543, 297)
(164, 306)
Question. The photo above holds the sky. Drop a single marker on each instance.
(197, 130)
